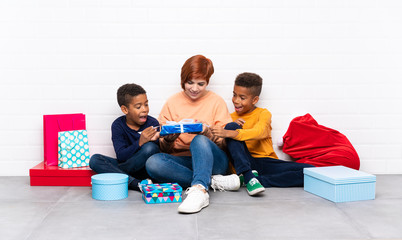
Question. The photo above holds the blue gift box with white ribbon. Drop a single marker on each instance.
(109, 186)
(339, 183)
(184, 126)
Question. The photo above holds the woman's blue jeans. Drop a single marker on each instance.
(134, 167)
(206, 159)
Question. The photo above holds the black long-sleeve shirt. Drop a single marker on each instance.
(126, 140)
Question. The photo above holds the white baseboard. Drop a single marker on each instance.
(16, 168)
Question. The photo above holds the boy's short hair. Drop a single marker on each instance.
(251, 81)
(196, 67)
(128, 91)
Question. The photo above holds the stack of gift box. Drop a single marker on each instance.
(66, 153)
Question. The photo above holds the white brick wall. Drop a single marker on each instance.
(341, 61)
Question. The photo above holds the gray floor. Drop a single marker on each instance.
(70, 213)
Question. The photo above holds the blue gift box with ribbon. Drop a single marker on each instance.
(184, 126)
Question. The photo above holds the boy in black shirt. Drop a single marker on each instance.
(134, 136)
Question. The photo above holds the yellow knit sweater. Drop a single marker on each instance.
(256, 132)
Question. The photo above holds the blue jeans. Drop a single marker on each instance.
(134, 167)
(206, 159)
(272, 172)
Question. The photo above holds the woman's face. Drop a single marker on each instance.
(195, 88)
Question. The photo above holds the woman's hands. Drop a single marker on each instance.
(171, 137)
(205, 126)
(149, 134)
(219, 131)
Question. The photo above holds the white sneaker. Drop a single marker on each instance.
(222, 183)
(196, 200)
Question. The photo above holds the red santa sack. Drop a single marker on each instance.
(311, 143)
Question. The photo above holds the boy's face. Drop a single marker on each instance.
(136, 111)
(195, 88)
(243, 100)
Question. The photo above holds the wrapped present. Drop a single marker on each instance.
(184, 126)
(161, 193)
(73, 149)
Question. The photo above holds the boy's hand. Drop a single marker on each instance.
(149, 134)
(155, 137)
(223, 133)
(240, 121)
(171, 137)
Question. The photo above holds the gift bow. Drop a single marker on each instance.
(183, 121)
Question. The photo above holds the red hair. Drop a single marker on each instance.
(196, 67)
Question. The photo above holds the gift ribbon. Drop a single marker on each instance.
(184, 121)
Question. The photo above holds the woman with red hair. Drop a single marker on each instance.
(191, 159)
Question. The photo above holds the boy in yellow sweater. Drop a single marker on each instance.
(249, 141)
